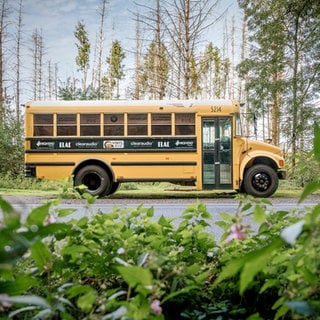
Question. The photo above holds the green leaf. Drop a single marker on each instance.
(134, 275)
(38, 215)
(13, 246)
(77, 290)
(269, 284)
(246, 207)
(310, 188)
(90, 198)
(179, 292)
(316, 141)
(75, 251)
(18, 286)
(281, 312)
(5, 206)
(230, 270)
(41, 254)
(65, 212)
(150, 212)
(11, 218)
(225, 216)
(86, 302)
(309, 276)
(255, 261)
(59, 230)
(259, 214)
(255, 316)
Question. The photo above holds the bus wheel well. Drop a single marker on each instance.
(260, 177)
(263, 160)
(95, 162)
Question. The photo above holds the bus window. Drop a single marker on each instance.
(185, 124)
(90, 124)
(67, 124)
(225, 151)
(161, 124)
(137, 124)
(238, 126)
(113, 124)
(43, 125)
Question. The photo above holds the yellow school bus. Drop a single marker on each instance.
(102, 144)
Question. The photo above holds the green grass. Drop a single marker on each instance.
(32, 187)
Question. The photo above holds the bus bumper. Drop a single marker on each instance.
(282, 174)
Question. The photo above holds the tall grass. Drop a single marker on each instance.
(19, 182)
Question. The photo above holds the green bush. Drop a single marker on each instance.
(11, 145)
(304, 170)
(124, 264)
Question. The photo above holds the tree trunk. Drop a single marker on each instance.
(18, 57)
(2, 107)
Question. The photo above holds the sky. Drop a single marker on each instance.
(57, 20)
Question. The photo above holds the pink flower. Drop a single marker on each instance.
(237, 232)
(51, 219)
(155, 306)
(3, 302)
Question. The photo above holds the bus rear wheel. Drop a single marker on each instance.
(95, 178)
(260, 181)
(115, 186)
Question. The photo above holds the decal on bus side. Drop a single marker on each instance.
(126, 144)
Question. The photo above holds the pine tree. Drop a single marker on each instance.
(83, 56)
(116, 68)
(265, 65)
(283, 64)
(155, 71)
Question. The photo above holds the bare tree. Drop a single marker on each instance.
(2, 31)
(138, 54)
(18, 61)
(37, 52)
(96, 70)
(186, 21)
(154, 72)
(52, 80)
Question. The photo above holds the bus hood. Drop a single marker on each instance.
(253, 145)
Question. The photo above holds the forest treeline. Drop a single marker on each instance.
(275, 71)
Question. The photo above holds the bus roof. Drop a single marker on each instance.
(129, 103)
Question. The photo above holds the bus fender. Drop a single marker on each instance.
(97, 162)
(253, 158)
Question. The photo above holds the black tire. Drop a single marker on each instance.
(260, 181)
(115, 186)
(95, 178)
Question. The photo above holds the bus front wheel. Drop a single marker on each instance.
(95, 178)
(260, 181)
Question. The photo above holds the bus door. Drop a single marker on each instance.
(217, 153)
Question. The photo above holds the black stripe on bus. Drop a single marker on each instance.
(58, 164)
(163, 163)
(110, 151)
(158, 180)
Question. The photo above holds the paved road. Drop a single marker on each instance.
(168, 207)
